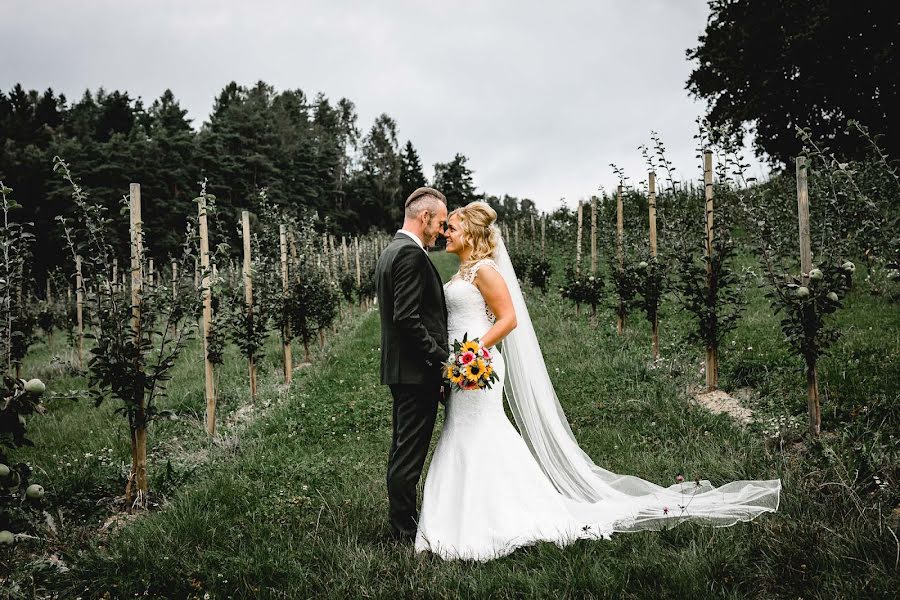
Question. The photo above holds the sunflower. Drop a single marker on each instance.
(474, 370)
(449, 372)
(470, 346)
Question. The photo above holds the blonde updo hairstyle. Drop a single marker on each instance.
(476, 219)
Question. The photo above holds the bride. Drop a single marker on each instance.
(491, 489)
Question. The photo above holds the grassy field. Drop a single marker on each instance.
(289, 501)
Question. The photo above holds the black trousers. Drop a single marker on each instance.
(415, 410)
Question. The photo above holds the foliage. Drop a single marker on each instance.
(17, 318)
(18, 402)
(454, 180)
(783, 63)
(532, 268)
(583, 289)
(304, 150)
(311, 304)
(650, 285)
(131, 359)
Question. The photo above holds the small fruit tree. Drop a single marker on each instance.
(134, 348)
(808, 299)
(19, 318)
(709, 286)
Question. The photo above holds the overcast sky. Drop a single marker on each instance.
(540, 96)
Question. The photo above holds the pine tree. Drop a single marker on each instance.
(454, 180)
(411, 176)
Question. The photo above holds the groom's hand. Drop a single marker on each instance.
(445, 392)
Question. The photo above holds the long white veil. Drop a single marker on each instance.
(546, 430)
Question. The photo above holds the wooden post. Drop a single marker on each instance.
(174, 279)
(79, 311)
(150, 274)
(712, 351)
(138, 476)
(286, 338)
(812, 377)
(651, 203)
(210, 388)
(358, 269)
(620, 253)
(326, 255)
(543, 236)
(333, 266)
(248, 292)
(593, 235)
(346, 254)
(578, 238)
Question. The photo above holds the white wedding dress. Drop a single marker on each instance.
(491, 489)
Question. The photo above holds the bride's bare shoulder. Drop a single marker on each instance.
(487, 275)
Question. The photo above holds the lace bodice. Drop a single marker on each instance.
(467, 312)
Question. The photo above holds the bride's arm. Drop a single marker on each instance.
(496, 295)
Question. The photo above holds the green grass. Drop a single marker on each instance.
(291, 502)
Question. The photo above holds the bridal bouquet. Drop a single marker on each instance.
(470, 365)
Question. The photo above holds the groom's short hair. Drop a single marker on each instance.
(424, 198)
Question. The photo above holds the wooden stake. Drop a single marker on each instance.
(326, 255)
(358, 269)
(620, 253)
(150, 275)
(651, 202)
(138, 475)
(286, 334)
(543, 236)
(593, 235)
(79, 311)
(174, 279)
(712, 351)
(210, 388)
(248, 292)
(115, 274)
(578, 238)
(812, 378)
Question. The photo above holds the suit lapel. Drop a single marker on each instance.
(402, 237)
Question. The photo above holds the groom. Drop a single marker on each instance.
(413, 347)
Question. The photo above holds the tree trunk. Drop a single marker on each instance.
(253, 379)
(712, 368)
(137, 487)
(812, 390)
(655, 338)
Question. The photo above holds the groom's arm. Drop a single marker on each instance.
(409, 281)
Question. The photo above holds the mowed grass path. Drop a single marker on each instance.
(297, 508)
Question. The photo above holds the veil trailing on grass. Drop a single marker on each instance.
(546, 431)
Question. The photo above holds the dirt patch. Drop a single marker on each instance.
(719, 402)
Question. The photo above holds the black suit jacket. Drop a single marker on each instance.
(413, 314)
